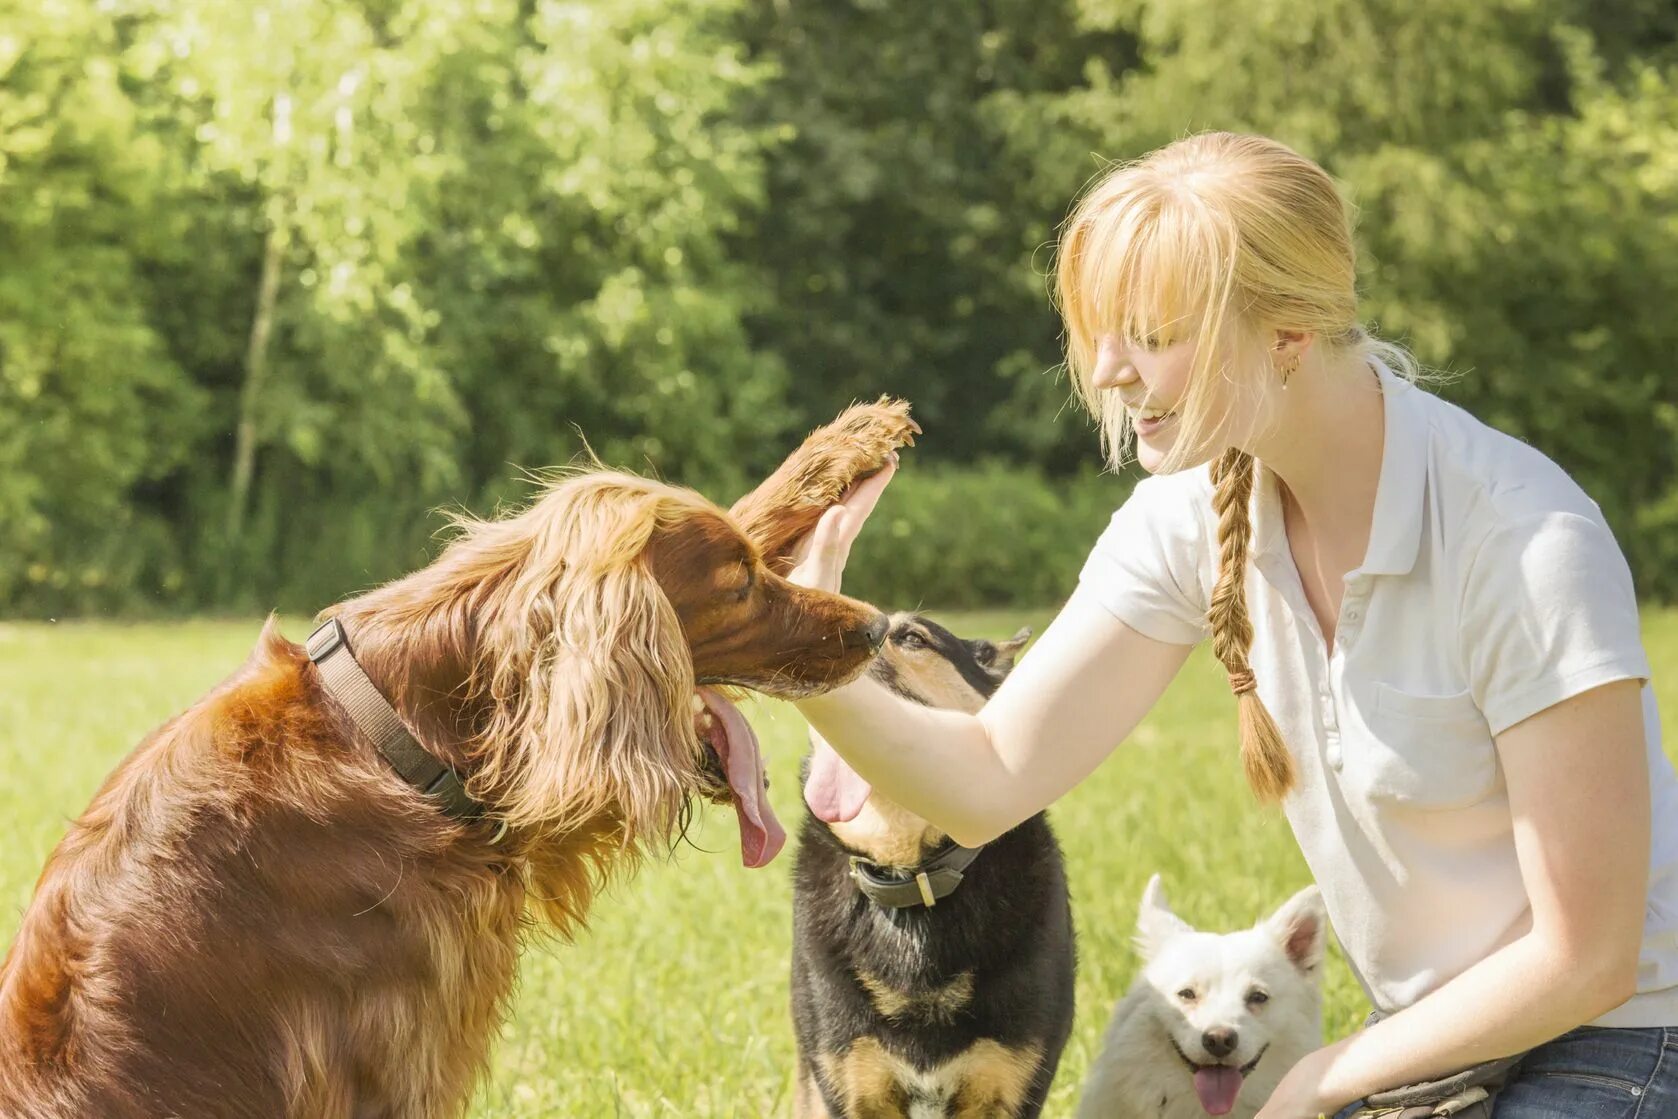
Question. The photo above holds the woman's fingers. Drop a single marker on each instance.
(859, 501)
(819, 559)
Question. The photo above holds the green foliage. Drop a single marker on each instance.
(685, 231)
(987, 535)
(92, 411)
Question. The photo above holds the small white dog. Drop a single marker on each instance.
(1213, 1021)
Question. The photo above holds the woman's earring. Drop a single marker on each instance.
(1288, 369)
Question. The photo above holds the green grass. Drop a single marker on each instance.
(675, 1002)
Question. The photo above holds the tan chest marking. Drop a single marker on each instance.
(988, 1080)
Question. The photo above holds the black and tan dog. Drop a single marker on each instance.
(929, 981)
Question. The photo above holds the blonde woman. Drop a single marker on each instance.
(1428, 627)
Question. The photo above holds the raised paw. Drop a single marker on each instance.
(834, 457)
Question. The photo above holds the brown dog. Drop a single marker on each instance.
(257, 916)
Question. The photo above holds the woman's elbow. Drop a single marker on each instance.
(1614, 979)
(980, 825)
(971, 833)
(1604, 974)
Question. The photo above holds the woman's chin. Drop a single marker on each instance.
(1154, 455)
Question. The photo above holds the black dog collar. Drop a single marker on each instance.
(927, 884)
(346, 681)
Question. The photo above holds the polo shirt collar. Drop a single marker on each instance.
(1395, 534)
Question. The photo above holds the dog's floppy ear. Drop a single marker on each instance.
(590, 679)
(1300, 926)
(1155, 923)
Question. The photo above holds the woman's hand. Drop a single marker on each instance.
(819, 559)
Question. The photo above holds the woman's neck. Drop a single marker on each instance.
(1326, 447)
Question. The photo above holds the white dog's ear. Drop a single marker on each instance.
(1301, 928)
(1155, 923)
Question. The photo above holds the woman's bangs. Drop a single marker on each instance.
(1134, 279)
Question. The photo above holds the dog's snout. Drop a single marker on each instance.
(1220, 1041)
(876, 632)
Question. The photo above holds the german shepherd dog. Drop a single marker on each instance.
(929, 981)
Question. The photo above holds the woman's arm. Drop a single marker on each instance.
(1578, 782)
(1085, 685)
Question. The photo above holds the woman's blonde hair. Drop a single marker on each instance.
(1223, 239)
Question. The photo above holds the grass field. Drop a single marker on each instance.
(675, 1002)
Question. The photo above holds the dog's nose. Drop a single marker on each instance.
(876, 631)
(1219, 1041)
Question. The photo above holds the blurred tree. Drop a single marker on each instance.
(283, 276)
(904, 238)
(597, 165)
(92, 409)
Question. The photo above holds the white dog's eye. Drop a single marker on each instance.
(1257, 998)
(1187, 994)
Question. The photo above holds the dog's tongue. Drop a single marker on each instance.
(835, 792)
(1217, 1086)
(761, 834)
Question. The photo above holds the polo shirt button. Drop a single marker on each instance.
(1352, 615)
(1333, 752)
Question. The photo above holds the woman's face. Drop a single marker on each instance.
(1152, 381)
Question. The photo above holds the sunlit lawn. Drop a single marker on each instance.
(675, 1003)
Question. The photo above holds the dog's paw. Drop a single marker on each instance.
(873, 432)
(855, 445)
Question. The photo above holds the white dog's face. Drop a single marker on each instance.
(1222, 998)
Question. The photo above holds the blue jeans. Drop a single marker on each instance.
(1595, 1073)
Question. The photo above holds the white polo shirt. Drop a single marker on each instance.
(1492, 589)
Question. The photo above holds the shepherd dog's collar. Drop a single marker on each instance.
(903, 888)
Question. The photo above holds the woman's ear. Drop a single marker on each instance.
(1291, 345)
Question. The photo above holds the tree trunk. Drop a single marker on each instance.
(262, 325)
(256, 369)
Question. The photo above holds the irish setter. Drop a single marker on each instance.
(256, 917)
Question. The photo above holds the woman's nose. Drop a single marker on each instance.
(1112, 365)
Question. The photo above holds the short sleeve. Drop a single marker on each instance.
(1548, 612)
(1145, 568)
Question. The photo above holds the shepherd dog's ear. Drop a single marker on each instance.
(1007, 652)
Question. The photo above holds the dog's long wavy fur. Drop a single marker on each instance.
(255, 917)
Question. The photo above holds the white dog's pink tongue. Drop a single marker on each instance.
(1217, 1087)
(835, 792)
(761, 834)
